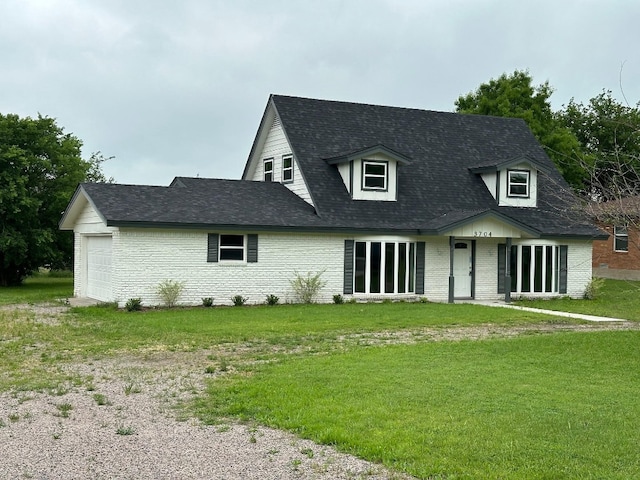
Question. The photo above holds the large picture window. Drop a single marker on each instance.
(518, 183)
(384, 267)
(535, 268)
(620, 239)
(374, 175)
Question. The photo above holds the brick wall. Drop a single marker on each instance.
(603, 253)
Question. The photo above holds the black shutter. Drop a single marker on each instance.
(212, 247)
(252, 248)
(502, 266)
(563, 268)
(348, 267)
(420, 268)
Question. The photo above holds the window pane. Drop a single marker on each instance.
(389, 262)
(376, 267)
(286, 162)
(361, 261)
(412, 266)
(231, 254)
(375, 169)
(526, 269)
(402, 267)
(622, 244)
(513, 270)
(549, 262)
(374, 182)
(537, 274)
(287, 175)
(231, 240)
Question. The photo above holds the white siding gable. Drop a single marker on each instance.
(277, 147)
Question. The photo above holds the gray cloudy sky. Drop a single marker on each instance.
(178, 87)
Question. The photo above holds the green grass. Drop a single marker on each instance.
(38, 289)
(618, 299)
(562, 405)
(556, 406)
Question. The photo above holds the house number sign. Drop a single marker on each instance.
(482, 234)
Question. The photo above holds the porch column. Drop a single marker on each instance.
(507, 273)
(452, 242)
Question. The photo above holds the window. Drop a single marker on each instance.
(518, 183)
(535, 268)
(374, 175)
(384, 267)
(620, 239)
(268, 170)
(231, 247)
(287, 168)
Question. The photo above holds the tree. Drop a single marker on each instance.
(40, 168)
(515, 96)
(609, 135)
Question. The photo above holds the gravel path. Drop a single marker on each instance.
(105, 433)
(121, 423)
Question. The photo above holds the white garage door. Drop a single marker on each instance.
(99, 268)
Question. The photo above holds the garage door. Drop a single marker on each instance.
(99, 268)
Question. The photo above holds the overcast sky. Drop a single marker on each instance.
(178, 87)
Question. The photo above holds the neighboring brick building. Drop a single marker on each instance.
(619, 255)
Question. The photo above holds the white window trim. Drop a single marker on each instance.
(287, 169)
(617, 235)
(365, 175)
(232, 247)
(265, 171)
(527, 173)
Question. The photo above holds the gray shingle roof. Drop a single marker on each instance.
(436, 187)
(437, 181)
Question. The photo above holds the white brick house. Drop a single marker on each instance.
(386, 202)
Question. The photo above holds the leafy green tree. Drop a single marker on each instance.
(40, 167)
(609, 135)
(515, 96)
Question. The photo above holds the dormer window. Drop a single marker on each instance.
(268, 169)
(374, 175)
(287, 169)
(518, 183)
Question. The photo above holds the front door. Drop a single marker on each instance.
(462, 269)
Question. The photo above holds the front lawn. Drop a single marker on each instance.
(556, 406)
(618, 299)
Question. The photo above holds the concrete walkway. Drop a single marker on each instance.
(579, 316)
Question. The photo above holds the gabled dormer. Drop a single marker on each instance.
(371, 173)
(512, 182)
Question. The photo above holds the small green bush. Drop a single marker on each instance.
(170, 291)
(306, 289)
(272, 300)
(207, 302)
(133, 305)
(594, 288)
(238, 300)
(338, 299)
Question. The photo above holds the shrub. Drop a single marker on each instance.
(169, 292)
(306, 289)
(338, 299)
(238, 300)
(207, 302)
(594, 287)
(133, 305)
(272, 300)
